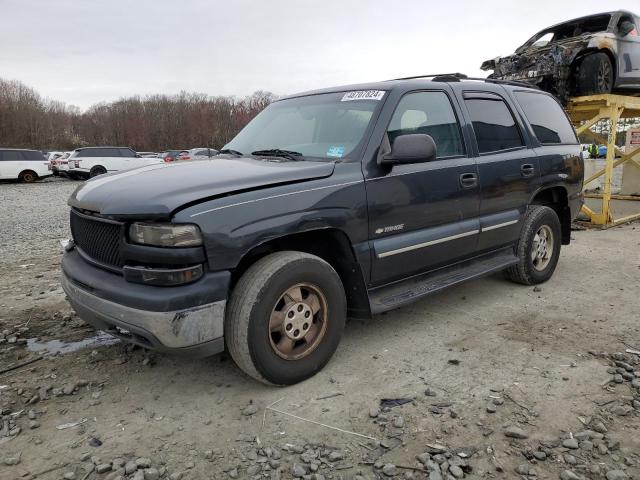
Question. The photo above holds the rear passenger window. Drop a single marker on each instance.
(430, 113)
(548, 120)
(494, 125)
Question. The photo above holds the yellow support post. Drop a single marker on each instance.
(585, 112)
(611, 155)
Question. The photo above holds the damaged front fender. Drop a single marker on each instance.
(552, 67)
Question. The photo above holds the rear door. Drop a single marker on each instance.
(508, 169)
(423, 215)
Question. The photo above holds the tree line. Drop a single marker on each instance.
(151, 123)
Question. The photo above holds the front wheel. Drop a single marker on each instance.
(538, 248)
(285, 317)
(595, 75)
(97, 170)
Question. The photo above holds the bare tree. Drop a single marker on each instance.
(152, 123)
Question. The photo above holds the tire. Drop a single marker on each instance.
(259, 297)
(596, 75)
(97, 170)
(28, 176)
(538, 221)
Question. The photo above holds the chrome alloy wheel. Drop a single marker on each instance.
(298, 321)
(542, 248)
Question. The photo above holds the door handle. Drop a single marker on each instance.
(468, 180)
(527, 170)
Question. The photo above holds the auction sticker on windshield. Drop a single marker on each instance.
(363, 95)
(335, 151)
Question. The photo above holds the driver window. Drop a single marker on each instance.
(429, 113)
(544, 40)
(627, 18)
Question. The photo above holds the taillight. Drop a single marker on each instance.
(185, 157)
(168, 159)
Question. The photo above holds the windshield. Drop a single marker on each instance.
(326, 126)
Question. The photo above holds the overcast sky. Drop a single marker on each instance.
(88, 51)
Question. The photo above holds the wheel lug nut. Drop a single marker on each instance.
(290, 314)
(300, 307)
(289, 326)
(296, 333)
(305, 326)
(307, 314)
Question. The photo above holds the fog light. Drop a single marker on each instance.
(163, 276)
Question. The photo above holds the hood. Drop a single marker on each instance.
(155, 191)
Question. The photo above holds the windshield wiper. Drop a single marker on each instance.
(231, 151)
(277, 152)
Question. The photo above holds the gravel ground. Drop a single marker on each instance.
(485, 380)
(32, 212)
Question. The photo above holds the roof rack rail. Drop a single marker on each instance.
(456, 77)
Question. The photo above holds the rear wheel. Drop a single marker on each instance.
(596, 75)
(538, 248)
(28, 176)
(285, 317)
(97, 170)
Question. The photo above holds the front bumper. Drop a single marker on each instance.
(190, 323)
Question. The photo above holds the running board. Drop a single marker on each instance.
(406, 291)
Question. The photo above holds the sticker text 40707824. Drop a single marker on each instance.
(363, 95)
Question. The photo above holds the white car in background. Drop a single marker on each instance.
(201, 153)
(60, 165)
(24, 165)
(90, 162)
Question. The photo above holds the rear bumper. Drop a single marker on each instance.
(185, 320)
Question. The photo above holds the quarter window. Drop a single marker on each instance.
(549, 122)
(429, 113)
(493, 124)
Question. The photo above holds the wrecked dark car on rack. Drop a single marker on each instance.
(586, 56)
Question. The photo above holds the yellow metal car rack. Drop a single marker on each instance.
(585, 112)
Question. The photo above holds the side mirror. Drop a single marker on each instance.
(626, 28)
(411, 148)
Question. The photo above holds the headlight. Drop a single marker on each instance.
(165, 234)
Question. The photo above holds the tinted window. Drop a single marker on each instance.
(126, 152)
(546, 117)
(493, 124)
(11, 155)
(32, 155)
(429, 113)
(202, 153)
(88, 153)
(20, 155)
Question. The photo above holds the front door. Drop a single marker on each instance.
(629, 55)
(423, 215)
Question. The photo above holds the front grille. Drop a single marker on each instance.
(98, 238)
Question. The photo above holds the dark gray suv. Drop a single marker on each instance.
(348, 201)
